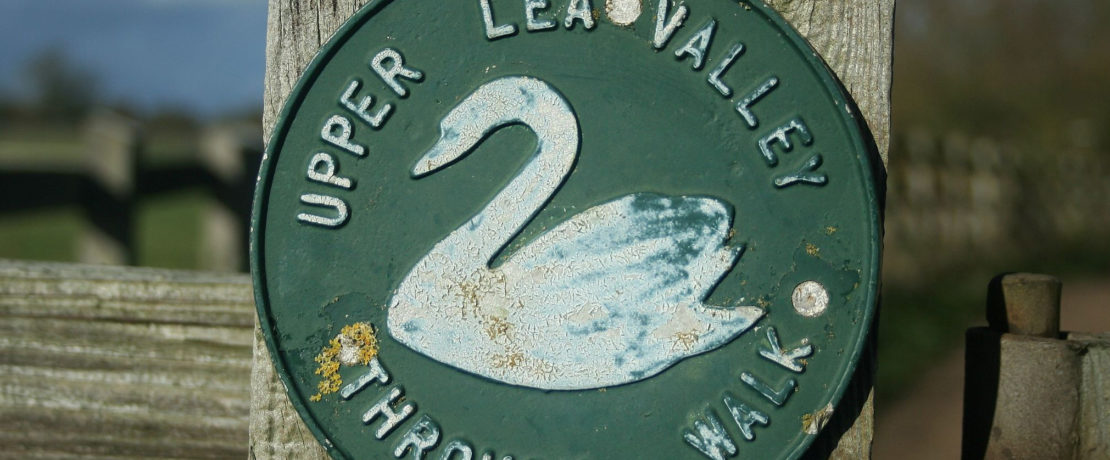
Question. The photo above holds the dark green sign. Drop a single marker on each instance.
(566, 229)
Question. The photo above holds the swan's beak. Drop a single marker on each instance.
(446, 151)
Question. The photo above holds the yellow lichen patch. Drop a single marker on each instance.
(830, 230)
(812, 250)
(356, 344)
(807, 422)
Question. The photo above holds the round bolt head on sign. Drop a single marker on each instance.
(566, 229)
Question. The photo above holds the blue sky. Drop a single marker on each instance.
(204, 56)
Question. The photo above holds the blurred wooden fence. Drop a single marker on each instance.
(953, 197)
(115, 174)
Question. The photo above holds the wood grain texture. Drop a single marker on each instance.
(856, 40)
(110, 362)
(855, 37)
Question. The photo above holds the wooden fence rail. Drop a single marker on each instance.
(114, 362)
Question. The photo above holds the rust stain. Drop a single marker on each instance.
(686, 339)
(510, 360)
(496, 327)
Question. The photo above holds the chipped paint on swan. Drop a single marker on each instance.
(613, 295)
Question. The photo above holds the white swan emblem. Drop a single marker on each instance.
(611, 296)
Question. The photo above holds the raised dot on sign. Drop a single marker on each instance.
(622, 12)
(810, 299)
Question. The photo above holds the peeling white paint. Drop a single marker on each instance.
(612, 295)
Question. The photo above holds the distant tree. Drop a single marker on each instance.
(61, 90)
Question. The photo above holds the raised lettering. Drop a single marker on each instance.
(457, 446)
(494, 32)
(698, 44)
(664, 26)
(421, 437)
(533, 24)
(789, 359)
(806, 174)
(374, 373)
(709, 437)
(722, 67)
(781, 135)
(745, 416)
(362, 108)
(778, 397)
(580, 10)
(745, 104)
(384, 408)
(328, 176)
(396, 69)
(342, 139)
(340, 207)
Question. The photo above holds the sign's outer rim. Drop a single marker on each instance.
(858, 132)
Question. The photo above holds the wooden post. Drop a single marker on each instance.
(855, 37)
(111, 151)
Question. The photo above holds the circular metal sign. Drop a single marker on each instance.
(566, 229)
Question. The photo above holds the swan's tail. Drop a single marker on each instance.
(725, 324)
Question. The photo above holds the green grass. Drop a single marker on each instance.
(49, 234)
(168, 228)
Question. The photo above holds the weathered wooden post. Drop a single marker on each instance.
(854, 37)
(112, 144)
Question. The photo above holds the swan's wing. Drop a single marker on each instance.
(637, 248)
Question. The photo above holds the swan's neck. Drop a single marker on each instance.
(534, 104)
